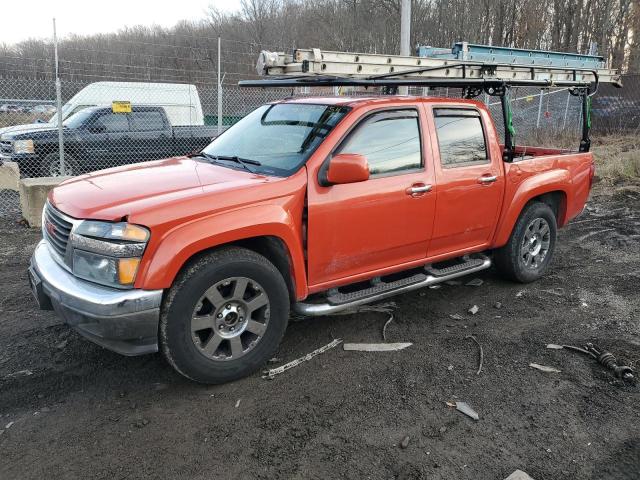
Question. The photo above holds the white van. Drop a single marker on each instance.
(180, 101)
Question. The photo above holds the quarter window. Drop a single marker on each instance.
(460, 137)
(389, 140)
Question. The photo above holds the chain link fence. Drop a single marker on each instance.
(109, 122)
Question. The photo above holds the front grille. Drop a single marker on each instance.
(6, 148)
(56, 230)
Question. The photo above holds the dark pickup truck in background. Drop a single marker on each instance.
(97, 138)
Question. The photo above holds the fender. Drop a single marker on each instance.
(177, 246)
(533, 186)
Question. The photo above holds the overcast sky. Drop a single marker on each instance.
(23, 19)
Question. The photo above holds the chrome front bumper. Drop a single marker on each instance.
(125, 321)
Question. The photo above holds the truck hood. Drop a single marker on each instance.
(10, 132)
(174, 184)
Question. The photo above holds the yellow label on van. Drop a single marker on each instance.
(121, 107)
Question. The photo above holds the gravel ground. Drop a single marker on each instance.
(70, 409)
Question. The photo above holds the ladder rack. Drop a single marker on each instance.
(326, 68)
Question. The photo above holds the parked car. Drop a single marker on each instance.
(180, 102)
(97, 138)
(10, 108)
(315, 205)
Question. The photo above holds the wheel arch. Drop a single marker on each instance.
(276, 240)
(555, 195)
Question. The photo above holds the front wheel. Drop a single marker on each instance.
(225, 316)
(53, 168)
(527, 255)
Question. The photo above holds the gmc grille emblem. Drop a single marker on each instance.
(50, 228)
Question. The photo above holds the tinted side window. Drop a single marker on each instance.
(389, 140)
(146, 121)
(113, 122)
(460, 137)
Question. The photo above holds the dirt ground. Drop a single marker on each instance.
(70, 409)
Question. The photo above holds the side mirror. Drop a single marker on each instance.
(347, 168)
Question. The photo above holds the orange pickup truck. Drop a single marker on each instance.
(314, 205)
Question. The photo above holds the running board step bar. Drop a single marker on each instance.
(337, 301)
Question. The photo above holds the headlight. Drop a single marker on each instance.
(108, 253)
(23, 146)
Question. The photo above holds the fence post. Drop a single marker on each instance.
(219, 91)
(58, 103)
(539, 109)
(566, 110)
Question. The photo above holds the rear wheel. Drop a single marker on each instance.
(527, 255)
(225, 316)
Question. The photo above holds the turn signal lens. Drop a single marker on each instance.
(127, 269)
(135, 233)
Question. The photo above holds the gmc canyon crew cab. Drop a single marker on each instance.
(310, 204)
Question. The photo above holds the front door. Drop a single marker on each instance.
(383, 222)
(470, 184)
(105, 141)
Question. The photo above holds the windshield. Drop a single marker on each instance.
(281, 137)
(78, 119)
(67, 110)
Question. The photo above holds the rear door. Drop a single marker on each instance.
(151, 135)
(384, 222)
(469, 178)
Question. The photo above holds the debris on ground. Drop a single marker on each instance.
(558, 292)
(476, 282)
(497, 305)
(21, 373)
(273, 360)
(518, 475)
(238, 402)
(8, 425)
(455, 316)
(481, 360)
(544, 368)
(375, 347)
(464, 407)
(606, 359)
(473, 310)
(520, 293)
(553, 346)
(405, 442)
(62, 344)
(384, 328)
(435, 287)
(269, 374)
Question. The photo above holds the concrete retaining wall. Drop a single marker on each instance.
(9, 176)
(33, 195)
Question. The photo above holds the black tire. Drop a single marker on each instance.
(186, 350)
(51, 165)
(515, 261)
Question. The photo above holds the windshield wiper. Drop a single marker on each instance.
(245, 162)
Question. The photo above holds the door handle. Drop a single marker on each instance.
(488, 179)
(418, 189)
